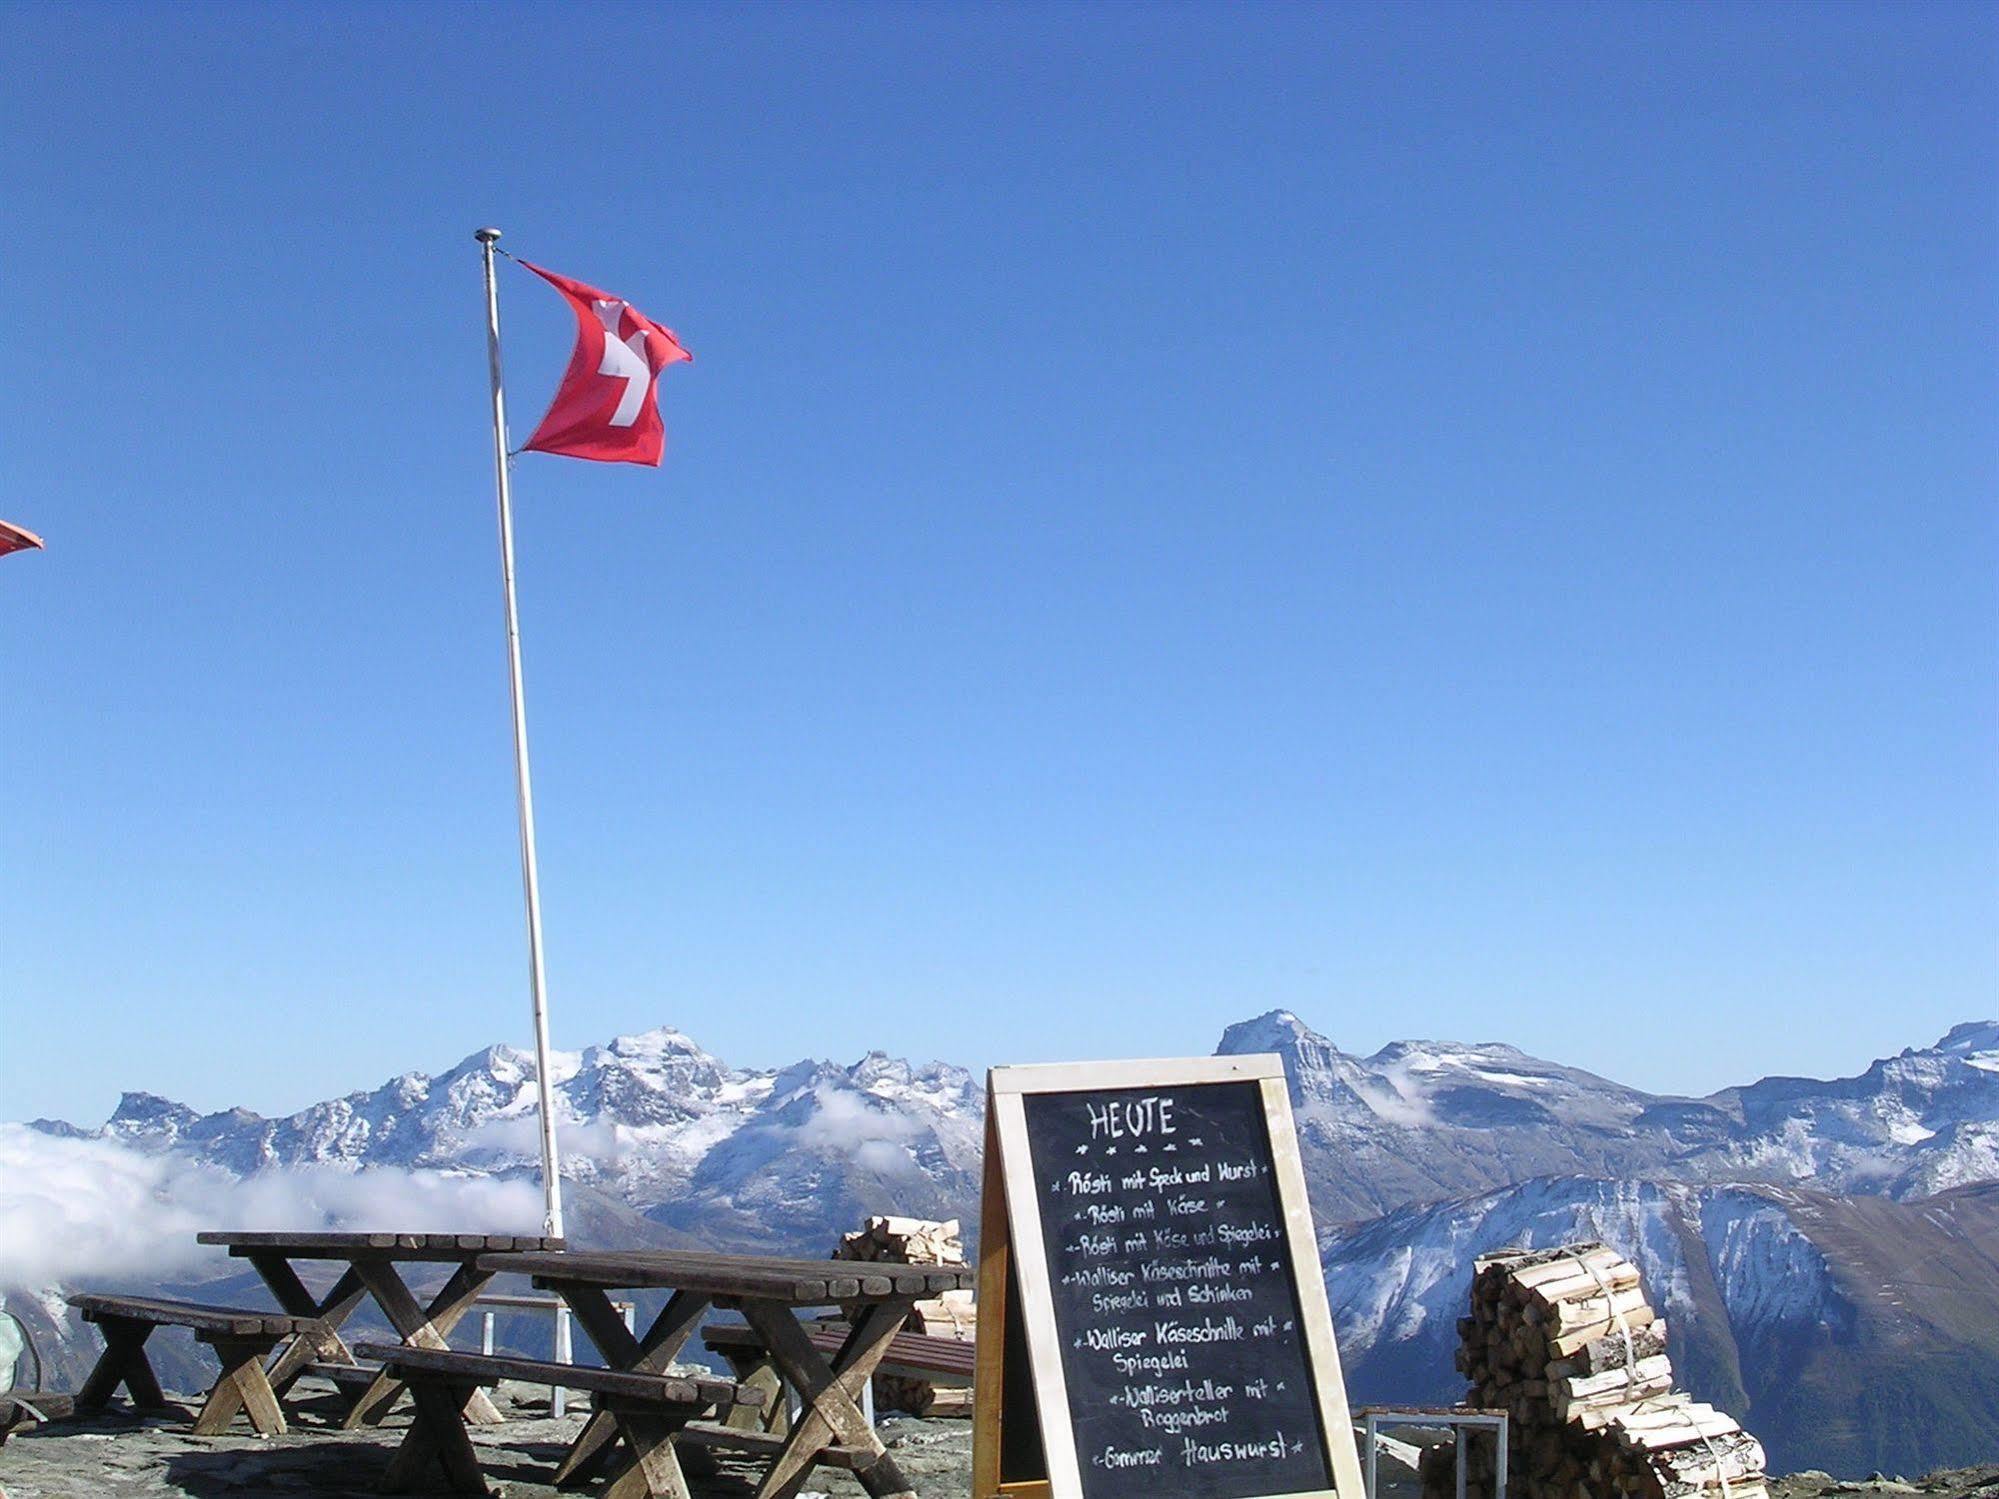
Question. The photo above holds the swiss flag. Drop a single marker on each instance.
(17, 539)
(607, 407)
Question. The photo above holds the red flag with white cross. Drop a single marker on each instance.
(607, 407)
(17, 539)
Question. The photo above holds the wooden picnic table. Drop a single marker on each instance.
(371, 1273)
(771, 1295)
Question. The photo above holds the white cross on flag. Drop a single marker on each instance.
(607, 407)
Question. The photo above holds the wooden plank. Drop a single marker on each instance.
(321, 1342)
(489, 1369)
(243, 1387)
(1030, 1272)
(712, 1274)
(277, 1274)
(910, 1352)
(989, 1354)
(769, 1444)
(831, 1394)
(603, 1326)
(232, 1320)
(1597, 1310)
(535, 1303)
(419, 1327)
(1644, 1371)
(1178, 1072)
(1323, 1355)
(339, 1244)
(663, 1341)
(123, 1362)
(409, 1470)
(439, 1407)
(799, 1282)
(654, 1471)
(356, 1374)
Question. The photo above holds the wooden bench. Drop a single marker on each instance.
(913, 1355)
(241, 1339)
(371, 1274)
(648, 1409)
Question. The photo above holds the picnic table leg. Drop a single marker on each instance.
(757, 1372)
(243, 1387)
(668, 1334)
(122, 1362)
(332, 1310)
(437, 1432)
(409, 1469)
(831, 1395)
(419, 1327)
(654, 1472)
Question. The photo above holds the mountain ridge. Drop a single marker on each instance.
(651, 1115)
(1770, 1217)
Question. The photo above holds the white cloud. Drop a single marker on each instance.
(72, 1211)
(517, 1137)
(845, 1122)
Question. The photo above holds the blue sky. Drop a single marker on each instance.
(1469, 522)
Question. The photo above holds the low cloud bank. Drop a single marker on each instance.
(878, 1137)
(517, 1137)
(76, 1210)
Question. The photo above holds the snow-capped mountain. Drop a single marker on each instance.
(1854, 1333)
(1824, 1250)
(770, 1157)
(755, 1158)
(1422, 1120)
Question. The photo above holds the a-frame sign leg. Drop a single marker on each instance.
(1007, 1462)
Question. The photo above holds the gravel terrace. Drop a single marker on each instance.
(120, 1456)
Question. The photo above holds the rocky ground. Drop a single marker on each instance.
(1981, 1482)
(120, 1456)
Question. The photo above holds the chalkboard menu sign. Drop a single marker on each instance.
(1164, 1314)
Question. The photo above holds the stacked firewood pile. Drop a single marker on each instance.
(1564, 1341)
(919, 1241)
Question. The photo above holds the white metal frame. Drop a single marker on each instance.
(558, 1396)
(1459, 1423)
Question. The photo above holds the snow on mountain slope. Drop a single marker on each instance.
(764, 1158)
(1821, 1322)
(1401, 1281)
(661, 1125)
(1795, 1305)
(1422, 1120)
(829, 1145)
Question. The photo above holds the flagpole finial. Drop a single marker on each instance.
(486, 236)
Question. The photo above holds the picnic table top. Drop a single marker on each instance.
(339, 1245)
(797, 1282)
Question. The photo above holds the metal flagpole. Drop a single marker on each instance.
(551, 1175)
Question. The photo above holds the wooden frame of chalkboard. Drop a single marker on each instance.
(1140, 1388)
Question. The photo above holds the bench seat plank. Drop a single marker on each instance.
(342, 1374)
(230, 1321)
(649, 1411)
(908, 1352)
(770, 1444)
(489, 1369)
